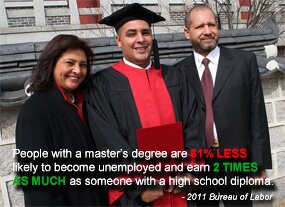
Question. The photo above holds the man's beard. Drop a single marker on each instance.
(199, 47)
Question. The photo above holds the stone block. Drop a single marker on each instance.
(279, 203)
(280, 111)
(281, 161)
(269, 112)
(17, 48)
(270, 172)
(8, 120)
(279, 198)
(261, 203)
(278, 193)
(16, 195)
(270, 88)
(6, 159)
(277, 137)
(1, 198)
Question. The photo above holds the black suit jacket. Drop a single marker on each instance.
(238, 103)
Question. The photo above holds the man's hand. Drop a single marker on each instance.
(261, 174)
(151, 194)
(185, 185)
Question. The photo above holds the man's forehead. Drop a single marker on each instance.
(135, 25)
(197, 18)
(195, 12)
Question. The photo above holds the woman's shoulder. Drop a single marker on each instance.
(37, 101)
(36, 108)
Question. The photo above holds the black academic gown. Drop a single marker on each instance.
(114, 119)
(48, 122)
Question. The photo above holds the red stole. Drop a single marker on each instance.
(152, 99)
(78, 94)
(155, 108)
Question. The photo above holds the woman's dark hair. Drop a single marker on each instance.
(42, 75)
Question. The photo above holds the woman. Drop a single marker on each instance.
(52, 120)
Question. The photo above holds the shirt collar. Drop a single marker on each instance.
(213, 56)
(136, 66)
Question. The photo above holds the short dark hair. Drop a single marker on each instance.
(187, 21)
(42, 75)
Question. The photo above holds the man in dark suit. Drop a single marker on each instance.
(230, 98)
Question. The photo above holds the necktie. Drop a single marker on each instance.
(207, 85)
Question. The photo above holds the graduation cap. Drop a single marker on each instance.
(131, 12)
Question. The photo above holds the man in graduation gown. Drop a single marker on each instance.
(133, 94)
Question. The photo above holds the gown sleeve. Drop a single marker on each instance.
(102, 121)
(184, 101)
(190, 119)
(105, 129)
(260, 143)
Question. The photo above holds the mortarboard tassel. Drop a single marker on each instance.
(155, 54)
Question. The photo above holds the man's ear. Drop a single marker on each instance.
(186, 33)
(118, 41)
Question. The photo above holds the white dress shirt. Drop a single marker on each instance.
(136, 66)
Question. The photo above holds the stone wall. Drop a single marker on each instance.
(274, 93)
(10, 196)
(57, 20)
